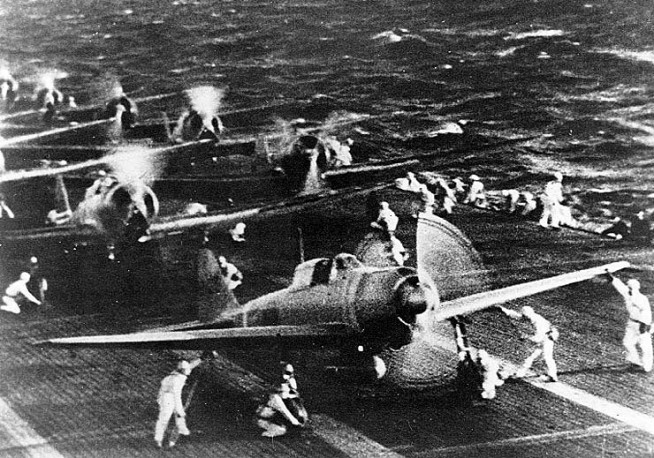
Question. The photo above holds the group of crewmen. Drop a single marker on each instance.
(284, 410)
(543, 334)
(281, 411)
(436, 194)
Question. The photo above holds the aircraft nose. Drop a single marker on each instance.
(412, 299)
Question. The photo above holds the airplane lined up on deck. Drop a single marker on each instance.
(114, 211)
(104, 215)
(382, 319)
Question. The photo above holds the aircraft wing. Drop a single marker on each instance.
(179, 224)
(117, 156)
(480, 301)
(209, 339)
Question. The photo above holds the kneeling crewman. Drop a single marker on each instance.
(283, 408)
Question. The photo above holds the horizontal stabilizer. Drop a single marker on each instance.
(209, 338)
(480, 301)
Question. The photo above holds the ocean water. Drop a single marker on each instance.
(573, 79)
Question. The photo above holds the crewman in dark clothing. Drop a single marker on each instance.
(8, 88)
(128, 115)
(641, 233)
(136, 226)
(619, 230)
(38, 279)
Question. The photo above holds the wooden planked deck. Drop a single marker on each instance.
(102, 403)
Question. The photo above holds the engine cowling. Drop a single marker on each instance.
(123, 196)
(110, 210)
(297, 164)
(411, 298)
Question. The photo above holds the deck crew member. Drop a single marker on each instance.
(641, 231)
(490, 374)
(618, 230)
(544, 335)
(341, 155)
(8, 87)
(19, 287)
(4, 208)
(170, 400)
(288, 376)
(551, 198)
(527, 202)
(409, 183)
(101, 185)
(427, 199)
(476, 193)
(387, 220)
(57, 218)
(637, 332)
(50, 113)
(238, 232)
(398, 252)
(283, 408)
(446, 194)
(195, 208)
(459, 186)
(233, 277)
(38, 278)
(128, 115)
(511, 200)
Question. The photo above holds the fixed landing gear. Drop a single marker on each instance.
(469, 378)
(359, 365)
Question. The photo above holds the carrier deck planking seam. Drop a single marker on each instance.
(473, 449)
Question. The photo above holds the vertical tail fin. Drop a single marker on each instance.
(213, 297)
(169, 131)
(61, 195)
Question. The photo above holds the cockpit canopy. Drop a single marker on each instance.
(322, 271)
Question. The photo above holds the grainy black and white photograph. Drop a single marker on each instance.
(326, 228)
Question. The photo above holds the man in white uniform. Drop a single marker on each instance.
(170, 400)
(476, 193)
(637, 332)
(544, 337)
(12, 292)
(490, 374)
(387, 220)
(552, 197)
(233, 277)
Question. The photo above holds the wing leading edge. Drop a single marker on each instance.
(480, 301)
(212, 338)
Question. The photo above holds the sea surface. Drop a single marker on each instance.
(572, 80)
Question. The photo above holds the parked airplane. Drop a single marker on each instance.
(386, 317)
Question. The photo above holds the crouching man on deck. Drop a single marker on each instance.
(14, 290)
(284, 408)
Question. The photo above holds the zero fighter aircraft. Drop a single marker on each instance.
(386, 316)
